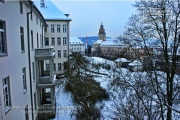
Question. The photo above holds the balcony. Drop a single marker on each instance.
(44, 52)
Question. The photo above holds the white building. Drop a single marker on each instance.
(25, 88)
(76, 45)
(57, 33)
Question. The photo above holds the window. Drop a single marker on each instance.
(32, 45)
(46, 41)
(22, 39)
(54, 67)
(59, 66)
(58, 28)
(52, 28)
(58, 41)
(65, 53)
(47, 66)
(52, 41)
(64, 28)
(3, 42)
(24, 79)
(59, 53)
(6, 94)
(21, 8)
(26, 113)
(64, 40)
(37, 41)
(33, 69)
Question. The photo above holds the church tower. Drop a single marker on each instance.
(102, 34)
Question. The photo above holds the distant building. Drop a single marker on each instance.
(57, 34)
(102, 33)
(114, 48)
(76, 45)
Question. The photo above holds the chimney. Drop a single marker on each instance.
(67, 15)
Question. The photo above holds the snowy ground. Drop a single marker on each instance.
(64, 101)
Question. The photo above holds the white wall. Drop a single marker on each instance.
(12, 64)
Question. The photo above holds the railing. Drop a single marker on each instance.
(44, 51)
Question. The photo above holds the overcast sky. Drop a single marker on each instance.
(87, 15)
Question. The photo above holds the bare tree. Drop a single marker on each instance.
(155, 27)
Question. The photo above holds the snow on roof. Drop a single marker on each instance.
(75, 40)
(135, 63)
(98, 42)
(50, 11)
(122, 60)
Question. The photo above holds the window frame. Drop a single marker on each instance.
(52, 28)
(46, 41)
(3, 41)
(24, 80)
(53, 41)
(58, 40)
(58, 28)
(64, 41)
(65, 53)
(59, 53)
(64, 28)
(59, 67)
(32, 42)
(6, 94)
(22, 39)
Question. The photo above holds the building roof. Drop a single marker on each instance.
(50, 11)
(75, 40)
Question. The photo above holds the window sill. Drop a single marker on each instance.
(22, 51)
(3, 54)
(7, 109)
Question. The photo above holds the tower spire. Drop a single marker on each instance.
(102, 34)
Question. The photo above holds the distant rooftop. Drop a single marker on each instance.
(75, 40)
(50, 11)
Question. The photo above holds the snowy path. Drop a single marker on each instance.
(64, 104)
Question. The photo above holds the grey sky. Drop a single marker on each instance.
(87, 16)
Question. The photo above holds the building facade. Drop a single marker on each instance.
(114, 48)
(76, 45)
(57, 34)
(26, 87)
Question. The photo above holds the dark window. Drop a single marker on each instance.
(52, 41)
(58, 28)
(24, 79)
(46, 41)
(52, 28)
(58, 41)
(32, 45)
(3, 41)
(22, 39)
(59, 66)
